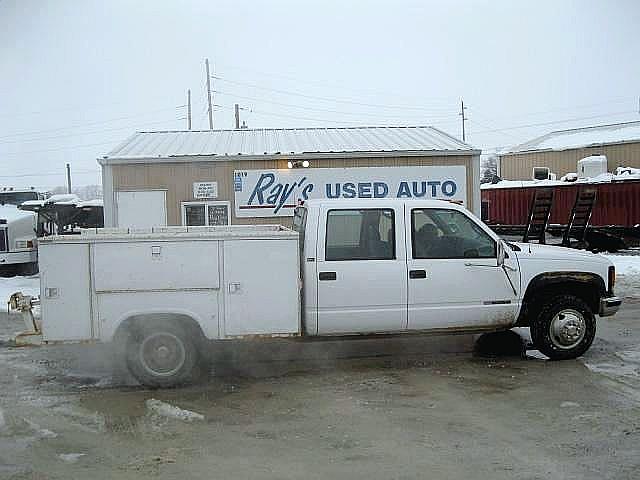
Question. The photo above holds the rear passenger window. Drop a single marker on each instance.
(367, 234)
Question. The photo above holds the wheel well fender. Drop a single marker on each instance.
(135, 324)
(590, 287)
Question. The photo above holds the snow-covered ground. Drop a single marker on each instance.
(627, 265)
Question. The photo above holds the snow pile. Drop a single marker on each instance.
(163, 409)
(583, 137)
(628, 171)
(626, 265)
(26, 285)
(622, 174)
(71, 457)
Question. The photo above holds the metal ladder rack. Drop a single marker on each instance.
(580, 216)
(539, 214)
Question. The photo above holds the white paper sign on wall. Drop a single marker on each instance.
(205, 190)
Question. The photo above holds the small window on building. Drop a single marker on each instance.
(194, 215)
(199, 214)
(360, 235)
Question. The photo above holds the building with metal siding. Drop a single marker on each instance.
(171, 162)
(561, 150)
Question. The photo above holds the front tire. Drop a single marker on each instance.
(564, 328)
(162, 355)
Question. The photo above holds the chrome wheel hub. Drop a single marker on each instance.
(162, 354)
(567, 329)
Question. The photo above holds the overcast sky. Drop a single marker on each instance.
(77, 77)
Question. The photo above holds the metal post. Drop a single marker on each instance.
(206, 62)
(462, 109)
(189, 109)
(68, 178)
(237, 108)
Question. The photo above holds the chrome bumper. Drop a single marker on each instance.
(609, 306)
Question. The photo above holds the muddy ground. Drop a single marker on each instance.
(395, 408)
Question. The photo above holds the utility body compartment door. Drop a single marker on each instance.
(262, 287)
(65, 291)
(361, 270)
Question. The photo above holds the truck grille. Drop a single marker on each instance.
(3, 240)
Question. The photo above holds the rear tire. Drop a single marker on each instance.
(564, 328)
(162, 354)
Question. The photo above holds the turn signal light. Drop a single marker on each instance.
(612, 278)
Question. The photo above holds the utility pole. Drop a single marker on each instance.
(462, 109)
(68, 178)
(237, 108)
(189, 109)
(206, 62)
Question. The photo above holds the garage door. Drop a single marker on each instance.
(141, 209)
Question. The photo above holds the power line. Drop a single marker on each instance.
(297, 117)
(325, 83)
(562, 109)
(542, 124)
(357, 114)
(70, 135)
(49, 174)
(324, 99)
(100, 122)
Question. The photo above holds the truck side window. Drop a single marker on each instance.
(367, 234)
(444, 233)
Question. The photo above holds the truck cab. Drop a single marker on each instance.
(401, 266)
(18, 231)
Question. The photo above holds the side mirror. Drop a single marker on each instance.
(501, 253)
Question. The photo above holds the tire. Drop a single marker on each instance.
(564, 328)
(162, 354)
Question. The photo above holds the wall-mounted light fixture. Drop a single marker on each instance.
(298, 164)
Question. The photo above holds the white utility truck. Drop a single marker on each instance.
(18, 231)
(349, 268)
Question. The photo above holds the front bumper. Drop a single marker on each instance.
(609, 306)
(11, 258)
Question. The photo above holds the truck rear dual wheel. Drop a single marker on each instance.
(564, 328)
(162, 355)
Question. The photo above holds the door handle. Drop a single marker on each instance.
(327, 276)
(417, 274)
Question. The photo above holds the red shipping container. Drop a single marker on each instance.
(617, 203)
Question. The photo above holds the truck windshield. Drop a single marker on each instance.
(16, 198)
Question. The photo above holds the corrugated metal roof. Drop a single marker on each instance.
(285, 141)
(582, 137)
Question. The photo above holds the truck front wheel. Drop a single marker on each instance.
(161, 355)
(564, 329)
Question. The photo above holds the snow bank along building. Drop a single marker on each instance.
(246, 176)
(560, 151)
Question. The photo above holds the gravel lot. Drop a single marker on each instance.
(394, 408)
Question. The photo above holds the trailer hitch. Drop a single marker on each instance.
(24, 304)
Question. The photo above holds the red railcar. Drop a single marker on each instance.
(617, 203)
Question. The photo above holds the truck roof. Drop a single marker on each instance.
(382, 202)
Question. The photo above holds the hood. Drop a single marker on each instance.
(10, 213)
(552, 252)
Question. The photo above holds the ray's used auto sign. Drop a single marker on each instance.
(275, 193)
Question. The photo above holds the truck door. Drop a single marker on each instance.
(361, 270)
(453, 276)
